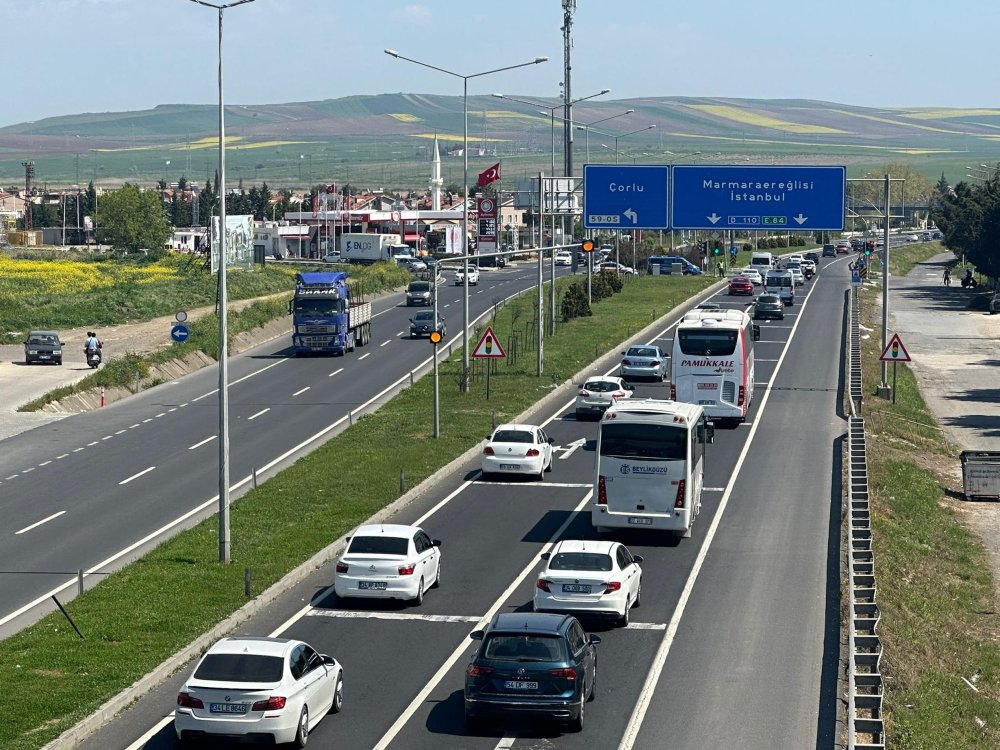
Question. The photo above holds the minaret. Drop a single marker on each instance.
(436, 180)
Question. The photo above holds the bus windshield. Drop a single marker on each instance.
(650, 442)
(706, 342)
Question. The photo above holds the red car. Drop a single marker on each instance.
(741, 285)
(843, 250)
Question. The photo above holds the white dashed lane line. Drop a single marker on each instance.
(62, 456)
(385, 343)
(262, 411)
(36, 524)
(136, 476)
(364, 355)
(44, 463)
(209, 439)
(335, 372)
(301, 391)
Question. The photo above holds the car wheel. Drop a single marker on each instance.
(541, 475)
(638, 594)
(419, 599)
(623, 620)
(338, 696)
(302, 733)
(437, 578)
(593, 685)
(548, 466)
(576, 725)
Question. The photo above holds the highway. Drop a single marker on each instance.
(95, 490)
(736, 643)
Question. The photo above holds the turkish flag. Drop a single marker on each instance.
(490, 175)
(331, 189)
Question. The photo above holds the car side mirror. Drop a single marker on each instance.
(594, 640)
(477, 635)
(436, 542)
(637, 558)
(328, 660)
(289, 308)
(545, 556)
(756, 332)
(551, 441)
(488, 437)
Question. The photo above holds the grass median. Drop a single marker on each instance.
(141, 615)
(936, 593)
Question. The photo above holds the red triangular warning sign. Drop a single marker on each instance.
(488, 346)
(895, 351)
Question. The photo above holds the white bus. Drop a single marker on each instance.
(650, 466)
(712, 364)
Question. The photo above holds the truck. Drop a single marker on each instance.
(365, 247)
(326, 316)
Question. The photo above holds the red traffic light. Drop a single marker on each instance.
(587, 246)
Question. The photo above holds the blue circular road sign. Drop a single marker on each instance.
(179, 333)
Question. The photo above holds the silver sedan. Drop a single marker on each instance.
(645, 361)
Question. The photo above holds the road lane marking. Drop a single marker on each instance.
(136, 476)
(713, 489)
(62, 456)
(27, 471)
(168, 410)
(489, 483)
(301, 391)
(209, 439)
(448, 304)
(385, 343)
(95, 442)
(161, 414)
(262, 411)
(36, 524)
(506, 742)
(239, 380)
(77, 450)
(364, 355)
(646, 626)
(120, 432)
(377, 615)
(107, 437)
(44, 463)
(12, 476)
(133, 426)
(147, 420)
(335, 372)
(570, 449)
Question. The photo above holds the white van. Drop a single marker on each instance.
(781, 283)
(763, 262)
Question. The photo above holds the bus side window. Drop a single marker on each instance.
(706, 432)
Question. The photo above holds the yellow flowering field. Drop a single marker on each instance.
(27, 279)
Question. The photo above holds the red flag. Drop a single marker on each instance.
(331, 189)
(490, 175)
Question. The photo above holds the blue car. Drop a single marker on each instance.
(531, 664)
(666, 263)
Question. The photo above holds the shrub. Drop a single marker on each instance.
(574, 302)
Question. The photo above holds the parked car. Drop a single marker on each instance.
(473, 276)
(388, 561)
(419, 293)
(41, 347)
(740, 285)
(517, 449)
(258, 688)
(492, 261)
(564, 258)
(422, 324)
(531, 664)
(643, 361)
(597, 395)
(619, 268)
(595, 578)
(769, 307)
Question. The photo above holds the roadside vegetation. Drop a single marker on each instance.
(936, 593)
(139, 616)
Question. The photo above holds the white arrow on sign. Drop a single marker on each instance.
(630, 214)
(569, 449)
(801, 219)
(714, 217)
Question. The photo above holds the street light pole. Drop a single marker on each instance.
(224, 537)
(465, 187)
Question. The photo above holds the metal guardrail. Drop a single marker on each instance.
(865, 726)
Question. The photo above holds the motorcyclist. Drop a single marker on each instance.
(967, 280)
(92, 344)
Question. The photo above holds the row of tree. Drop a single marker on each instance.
(969, 219)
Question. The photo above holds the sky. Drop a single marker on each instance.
(67, 57)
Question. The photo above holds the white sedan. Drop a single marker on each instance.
(473, 276)
(753, 274)
(564, 258)
(597, 578)
(261, 688)
(597, 395)
(388, 561)
(518, 449)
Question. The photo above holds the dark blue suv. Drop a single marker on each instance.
(531, 664)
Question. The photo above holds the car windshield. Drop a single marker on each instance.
(420, 286)
(647, 441)
(524, 648)
(704, 342)
(379, 545)
(642, 351)
(601, 386)
(580, 561)
(513, 436)
(42, 340)
(423, 317)
(240, 668)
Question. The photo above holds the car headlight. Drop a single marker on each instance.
(57, 351)
(32, 351)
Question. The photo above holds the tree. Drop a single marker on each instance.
(130, 219)
(969, 219)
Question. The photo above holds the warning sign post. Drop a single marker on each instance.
(895, 352)
(488, 348)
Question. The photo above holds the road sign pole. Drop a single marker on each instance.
(541, 310)
(885, 288)
(893, 382)
(437, 392)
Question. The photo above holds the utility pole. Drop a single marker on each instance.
(29, 175)
(569, 7)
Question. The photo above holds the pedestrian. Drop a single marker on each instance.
(719, 270)
(947, 277)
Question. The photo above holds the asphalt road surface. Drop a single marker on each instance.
(93, 491)
(736, 641)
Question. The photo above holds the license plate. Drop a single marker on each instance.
(228, 708)
(520, 685)
(637, 521)
(373, 585)
(576, 588)
(706, 401)
(509, 467)
(44, 356)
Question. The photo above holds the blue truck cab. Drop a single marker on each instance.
(325, 317)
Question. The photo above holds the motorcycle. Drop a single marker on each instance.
(94, 358)
(969, 283)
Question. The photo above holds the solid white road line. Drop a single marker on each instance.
(209, 439)
(36, 524)
(364, 356)
(660, 658)
(376, 615)
(301, 391)
(713, 489)
(646, 626)
(335, 372)
(262, 411)
(136, 476)
(460, 651)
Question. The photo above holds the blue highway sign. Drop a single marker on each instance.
(625, 197)
(707, 196)
(179, 333)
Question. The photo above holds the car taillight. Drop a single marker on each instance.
(532, 452)
(406, 570)
(563, 674)
(185, 700)
(585, 393)
(743, 395)
(618, 394)
(679, 502)
(274, 703)
(342, 567)
(611, 587)
(487, 451)
(673, 392)
(626, 362)
(477, 671)
(543, 585)
(602, 491)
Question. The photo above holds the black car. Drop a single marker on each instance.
(419, 293)
(41, 347)
(813, 256)
(491, 261)
(422, 324)
(829, 251)
(769, 307)
(531, 664)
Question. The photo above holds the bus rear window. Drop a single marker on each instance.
(652, 442)
(703, 342)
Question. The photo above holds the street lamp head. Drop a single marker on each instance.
(391, 52)
(499, 96)
(603, 92)
(541, 60)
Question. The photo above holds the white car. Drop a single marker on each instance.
(473, 276)
(796, 258)
(259, 688)
(597, 395)
(333, 257)
(593, 577)
(753, 274)
(388, 561)
(564, 258)
(517, 449)
(795, 269)
(619, 268)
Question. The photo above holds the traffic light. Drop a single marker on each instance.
(587, 246)
(870, 247)
(716, 248)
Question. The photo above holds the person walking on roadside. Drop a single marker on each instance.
(947, 277)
